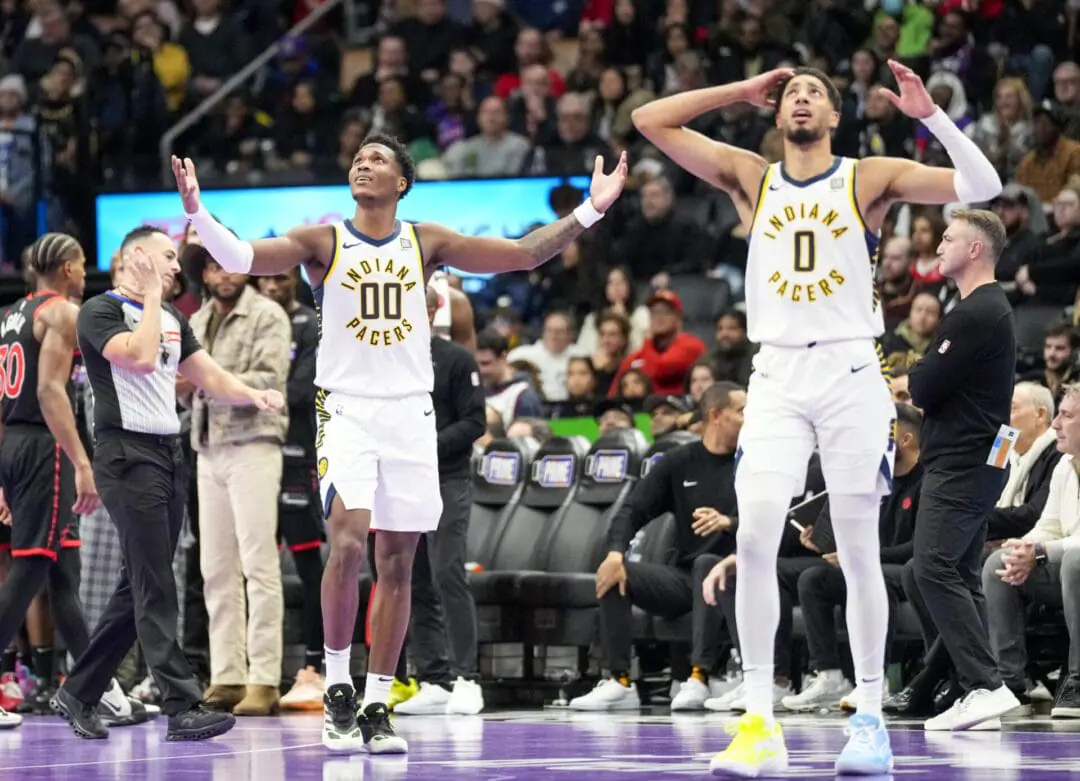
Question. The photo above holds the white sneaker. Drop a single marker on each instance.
(9, 720)
(609, 694)
(431, 698)
(307, 691)
(778, 694)
(823, 692)
(849, 703)
(467, 698)
(692, 695)
(974, 708)
(723, 703)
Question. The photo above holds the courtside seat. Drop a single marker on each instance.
(562, 598)
(522, 542)
(498, 481)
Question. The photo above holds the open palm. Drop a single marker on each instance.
(606, 188)
(913, 99)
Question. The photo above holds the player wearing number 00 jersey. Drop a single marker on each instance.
(813, 223)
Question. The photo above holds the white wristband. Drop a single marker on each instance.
(587, 214)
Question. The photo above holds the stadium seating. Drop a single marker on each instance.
(560, 602)
(520, 542)
(498, 480)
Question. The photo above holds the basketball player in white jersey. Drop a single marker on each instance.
(813, 223)
(376, 441)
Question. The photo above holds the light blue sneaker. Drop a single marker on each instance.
(868, 752)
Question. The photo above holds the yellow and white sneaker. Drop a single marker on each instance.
(756, 750)
(401, 691)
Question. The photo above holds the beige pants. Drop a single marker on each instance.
(238, 521)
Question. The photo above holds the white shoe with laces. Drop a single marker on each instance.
(467, 698)
(823, 692)
(974, 708)
(431, 699)
(609, 694)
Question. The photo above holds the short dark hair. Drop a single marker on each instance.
(51, 251)
(718, 397)
(401, 154)
(907, 415)
(735, 314)
(490, 339)
(830, 88)
(1062, 329)
(137, 234)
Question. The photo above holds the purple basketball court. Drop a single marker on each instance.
(521, 745)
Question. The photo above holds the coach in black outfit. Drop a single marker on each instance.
(133, 346)
(964, 385)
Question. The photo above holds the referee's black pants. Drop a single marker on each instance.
(143, 481)
(949, 534)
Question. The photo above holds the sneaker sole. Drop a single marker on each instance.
(202, 734)
(10, 724)
(343, 745)
(767, 768)
(62, 713)
(856, 769)
(394, 745)
(1065, 713)
(302, 705)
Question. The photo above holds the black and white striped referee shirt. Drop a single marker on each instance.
(142, 403)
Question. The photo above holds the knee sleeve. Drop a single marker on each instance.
(763, 502)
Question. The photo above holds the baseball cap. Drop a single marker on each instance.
(607, 405)
(1052, 110)
(1012, 193)
(677, 403)
(666, 297)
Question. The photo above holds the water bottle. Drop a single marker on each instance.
(634, 553)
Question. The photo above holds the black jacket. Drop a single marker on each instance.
(459, 405)
(1010, 522)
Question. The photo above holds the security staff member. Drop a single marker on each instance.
(964, 386)
(443, 634)
(134, 346)
(695, 482)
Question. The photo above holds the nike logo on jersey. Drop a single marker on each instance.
(689, 483)
(428, 412)
(350, 246)
(775, 186)
(857, 369)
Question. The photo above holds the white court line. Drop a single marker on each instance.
(146, 760)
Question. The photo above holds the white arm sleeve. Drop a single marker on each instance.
(975, 179)
(232, 254)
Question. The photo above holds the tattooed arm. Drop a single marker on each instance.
(484, 255)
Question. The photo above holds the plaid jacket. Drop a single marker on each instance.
(253, 342)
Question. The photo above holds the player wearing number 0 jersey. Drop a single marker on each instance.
(377, 445)
(813, 223)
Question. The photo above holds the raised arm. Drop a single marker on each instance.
(884, 181)
(736, 171)
(309, 245)
(487, 255)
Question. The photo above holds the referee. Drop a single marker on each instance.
(964, 386)
(133, 345)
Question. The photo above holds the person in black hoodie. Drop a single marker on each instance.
(822, 589)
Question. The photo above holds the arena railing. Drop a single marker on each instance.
(165, 147)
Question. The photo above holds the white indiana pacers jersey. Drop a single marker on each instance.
(812, 262)
(374, 338)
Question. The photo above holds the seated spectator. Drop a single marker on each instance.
(618, 298)
(1059, 359)
(1016, 206)
(34, 55)
(551, 355)
(1067, 95)
(496, 429)
(1031, 463)
(733, 355)
(823, 589)
(580, 390)
(948, 94)
(613, 415)
(696, 483)
(1042, 567)
(391, 61)
(897, 285)
(171, 64)
(491, 37)
(494, 152)
(530, 49)
(335, 164)
(216, 45)
(1005, 134)
(1050, 276)
(537, 428)
(1048, 167)
(614, 104)
(393, 115)
(917, 331)
(665, 412)
(574, 147)
(886, 130)
(300, 130)
(611, 348)
(668, 354)
(430, 35)
(532, 112)
(633, 388)
(453, 121)
(701, 375)
(927, 229)
(508, 392)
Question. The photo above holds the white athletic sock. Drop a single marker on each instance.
(763, 502)
(376, 689)
(855, 524)
(337, 666)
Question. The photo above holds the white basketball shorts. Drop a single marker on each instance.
(380, 455)
(832, 395)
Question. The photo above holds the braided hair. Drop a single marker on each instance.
(51, 251)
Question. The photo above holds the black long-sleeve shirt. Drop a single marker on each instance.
(459, 405)
(964, 383)
(300, 387)
(687, 478)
